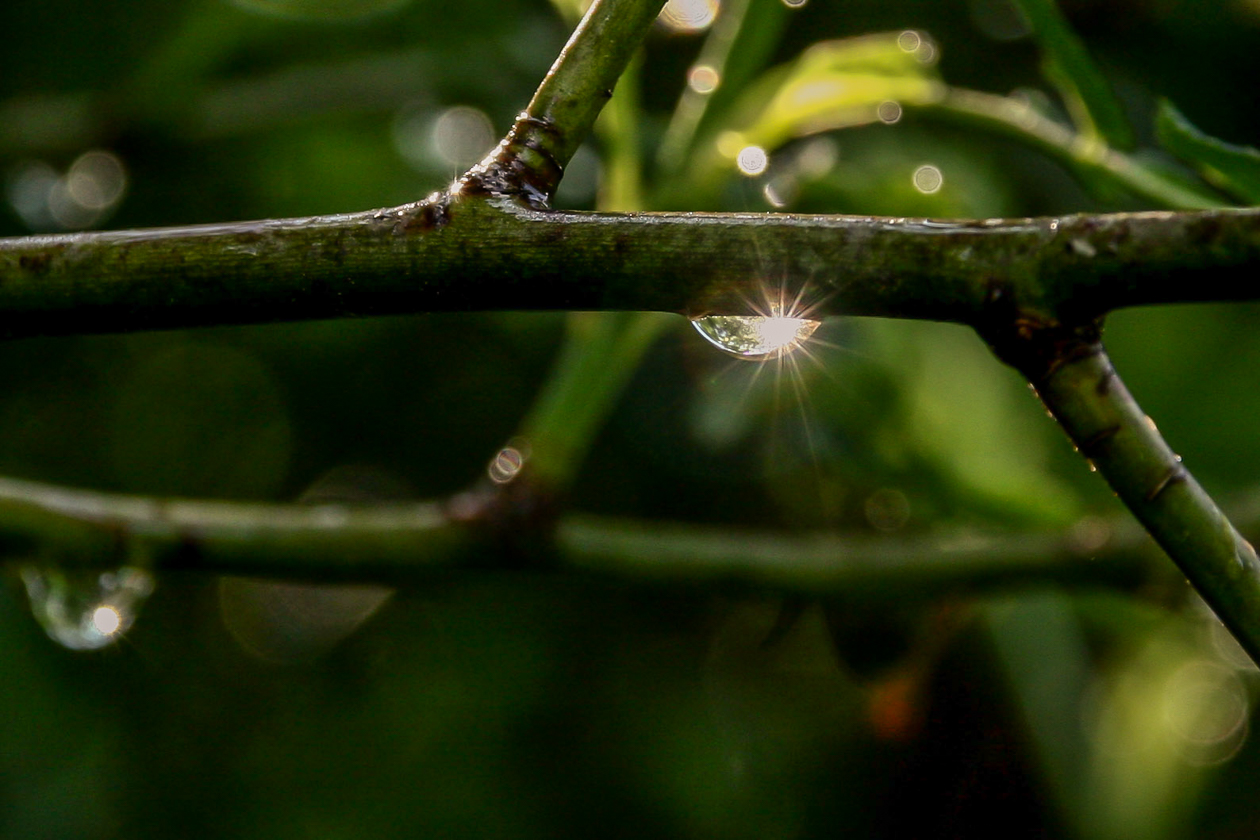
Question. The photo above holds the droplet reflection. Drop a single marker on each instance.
(107, 620)
(752, 160)
(507, 464)
(703, 79)
(889, 112)
(928, 179)
(86, 610)
(462, 135)
(755, 337)
(688, 16)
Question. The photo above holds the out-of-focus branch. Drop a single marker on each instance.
(405, 544)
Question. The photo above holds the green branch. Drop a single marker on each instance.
(1076, 381)
(408, 544)
(530, 161)
(1094, 161)
(471, 254)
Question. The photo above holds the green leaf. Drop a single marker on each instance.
(835, 84)
(1235, 169)
(1067, 65)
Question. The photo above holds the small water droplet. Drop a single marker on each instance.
(794, 4)
(755, 337)
(86, 610)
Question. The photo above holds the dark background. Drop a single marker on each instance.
(530, 705)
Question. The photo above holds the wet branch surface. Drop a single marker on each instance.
(475, 253)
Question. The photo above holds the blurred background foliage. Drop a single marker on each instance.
(500, 705)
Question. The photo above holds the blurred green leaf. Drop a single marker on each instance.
(1067, 65)
(326, 9)
(834, 84)
(1235, 169)
(740, 44)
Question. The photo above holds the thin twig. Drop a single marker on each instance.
(410, 543)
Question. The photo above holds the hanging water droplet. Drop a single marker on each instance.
(755, 337)
(86, 610)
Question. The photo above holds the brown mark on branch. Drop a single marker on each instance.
(522, 166)
(1091, 443)
(1033, 342)
(1176, 475)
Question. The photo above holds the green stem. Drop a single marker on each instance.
(530, 161)
(600, 354)
(1091, 158)
(1078, 384)
(474, 254)
(408, 544)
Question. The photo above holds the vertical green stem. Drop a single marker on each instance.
(692, 104)
(601, 350)
(600, 354)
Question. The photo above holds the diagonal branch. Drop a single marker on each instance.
(1077, 383)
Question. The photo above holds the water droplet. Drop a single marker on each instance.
(86, 610)
(752, 160)
(928, 179)
(703, 79)
(794, 4)
(755, 337)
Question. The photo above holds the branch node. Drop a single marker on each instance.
(1175, 475)
(1089, 444)
(524, 165)
(1034, 342)
(518, 519)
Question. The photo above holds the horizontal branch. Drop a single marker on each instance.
(475, 254)
(409, 543)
